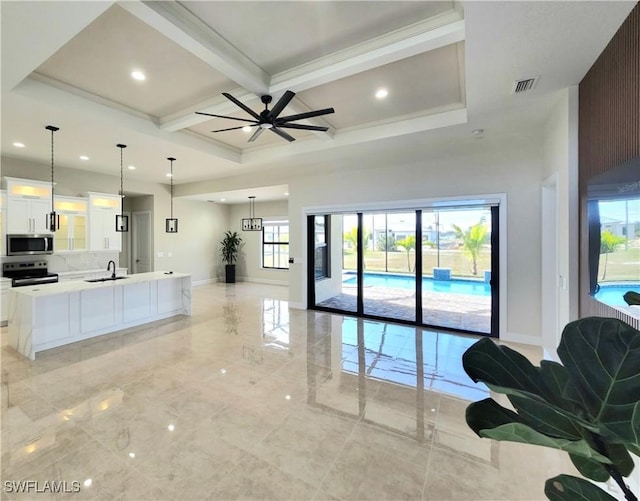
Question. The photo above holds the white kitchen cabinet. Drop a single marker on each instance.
(72, 235)
(103, 209)
(28, 205)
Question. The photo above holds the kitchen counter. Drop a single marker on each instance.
(79, 285)
(50, 315)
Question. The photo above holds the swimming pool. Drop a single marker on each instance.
(611, 294)
(472, 287)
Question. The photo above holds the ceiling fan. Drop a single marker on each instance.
(270, 119)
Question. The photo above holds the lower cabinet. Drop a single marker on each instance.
(43, 321)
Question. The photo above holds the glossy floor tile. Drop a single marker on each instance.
(248, 399)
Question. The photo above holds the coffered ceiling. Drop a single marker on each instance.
(446, 66)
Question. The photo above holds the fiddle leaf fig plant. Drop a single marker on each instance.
(588, 406)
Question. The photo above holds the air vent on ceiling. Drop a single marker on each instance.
(524, 85)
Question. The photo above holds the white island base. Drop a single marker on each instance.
(46, 316)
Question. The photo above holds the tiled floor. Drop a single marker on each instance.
(247, 399)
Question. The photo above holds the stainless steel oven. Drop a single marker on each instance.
(29, 244)
(23, 274)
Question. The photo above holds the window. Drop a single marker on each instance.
(321, 232)
(275, 244)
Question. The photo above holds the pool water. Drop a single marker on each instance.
(611, 294)
(471, 287)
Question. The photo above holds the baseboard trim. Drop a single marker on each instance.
(204, 282)
(514, 337)
(264, 281)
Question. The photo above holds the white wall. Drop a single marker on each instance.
(194, 248)
(510, 164)
(560, 161)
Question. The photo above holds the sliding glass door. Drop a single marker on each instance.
(456, 273)
(427, 266)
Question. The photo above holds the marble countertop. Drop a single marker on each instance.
(79, 285)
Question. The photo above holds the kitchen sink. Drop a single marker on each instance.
(105, 279)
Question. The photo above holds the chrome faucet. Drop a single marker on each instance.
(113, 273)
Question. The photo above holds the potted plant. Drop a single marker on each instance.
(229, 248)
(588, 406)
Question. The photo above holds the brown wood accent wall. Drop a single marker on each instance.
(609, 133)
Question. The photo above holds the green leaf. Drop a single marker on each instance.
(501, 367)
(490, 420)
(545, 418)
(602, 357)
(568, 488)
(590, 468)
(520, 432)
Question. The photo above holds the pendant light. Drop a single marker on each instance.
(53, 220)
(122, 221)
(171, 223)
(252, 223)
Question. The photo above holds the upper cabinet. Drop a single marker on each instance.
(72, 234)
(103, 208)
(28, 205)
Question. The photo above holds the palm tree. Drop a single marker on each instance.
(351, 237)
(472, 241)
(608, 244)
(408, 243)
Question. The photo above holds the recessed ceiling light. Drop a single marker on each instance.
(169, 174)
(132, 167)
(286, 193)
(222, 199)
(84, 157)
(247, 128)
(138, 75)
(477, 133)
(18, 145)
(382, 93)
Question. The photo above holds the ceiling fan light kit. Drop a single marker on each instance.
(270, 118)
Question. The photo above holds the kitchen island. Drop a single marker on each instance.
(50, 315)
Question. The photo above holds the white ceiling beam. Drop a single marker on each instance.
(187, 30)
(420, 37)
(400, 44)
(33, 31)
(359, 135)
(52, 92)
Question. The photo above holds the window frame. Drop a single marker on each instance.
(274, 245)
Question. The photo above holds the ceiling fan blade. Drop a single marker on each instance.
(303, 127)
(282, 134)
(222, 116)
(281, 104)
(256, 134)
(241, 105)
(309, 114)
(234, 128)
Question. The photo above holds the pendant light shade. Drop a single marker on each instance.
(252, 223)
(171, 223)
(53, 220)
(122, 221)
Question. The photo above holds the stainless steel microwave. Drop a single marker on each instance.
(29, 244)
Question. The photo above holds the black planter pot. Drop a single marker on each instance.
(230, 273)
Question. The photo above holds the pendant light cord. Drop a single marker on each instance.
(171, 189)
(122, 147)
(52, 173)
